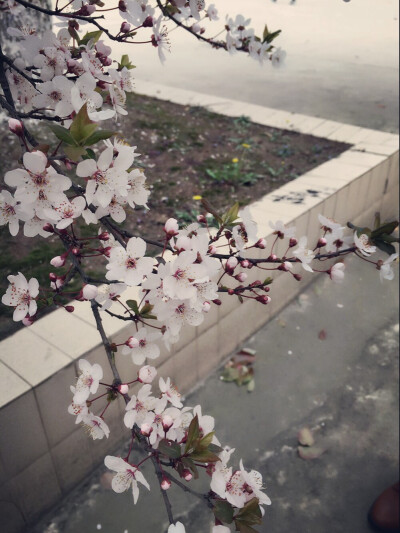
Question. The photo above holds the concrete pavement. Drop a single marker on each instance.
(345, 388)
(342, 60)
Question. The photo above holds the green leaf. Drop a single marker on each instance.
(251, 385)
(132, 304)
(204, 457)
(206, 440)
(62, 133)
(190, 464)
(211, 209)
(74, 152)
(193, 433)
(170, 449)
(388, 228)
(250, 514)
(223, 511)
(231, 215)
(385, 246)
(377, 222)
(79, 130)
(98, 136)
(230, 374)
(214, 448)
(265, 32)
(271, 36)
(146, 310)
(91, 36)
(244, 528)
(90, 153)
(268, 281)
(125, 62)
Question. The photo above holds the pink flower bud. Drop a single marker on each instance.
(187, 475)
(146, 429)
(231, 291)
(262, 298)
(272, 257)
(231, 264)
(58, 261)
(201, 219)
(104, 236)
(86, 11)
(321, 242)
(123, 388)
(165, 483)
(206, 307)
(148, 22)
(242, 276)
(297, 277)
(171, 227)
(217, 301)
(52, 276)
(48, 227)
(125, 27)
(292, 242)
(27, 321)
(69, 308)
(76, 251)
(132, 342)
(245, 263)
(16, 127)
(167, 422)
(122, 6)
(146, 374)
(212, 249)
(196, 28)
(285, 266)
(89, 292)
(261, 243)
(106, 251)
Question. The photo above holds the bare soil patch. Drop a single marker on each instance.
(188, 153)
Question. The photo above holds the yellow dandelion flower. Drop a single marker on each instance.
(235, 160)
(197, 197)
(245, 145)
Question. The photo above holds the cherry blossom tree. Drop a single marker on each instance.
(66, 79)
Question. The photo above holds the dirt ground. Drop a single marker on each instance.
(188, 153)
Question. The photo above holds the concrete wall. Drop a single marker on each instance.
(43, 454)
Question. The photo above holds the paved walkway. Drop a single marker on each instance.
(344, 388)
(342, 60)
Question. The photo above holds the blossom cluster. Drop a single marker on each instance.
(166, 425)
(70, 80)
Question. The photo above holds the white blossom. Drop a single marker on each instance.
(170, 392)
(385, 269)
(364, 244)
(128, 264)
(95, 426)
(127, 475)
(88, 381)
(21, 294)
(303, 254)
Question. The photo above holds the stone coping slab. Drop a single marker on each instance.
(33, 355)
